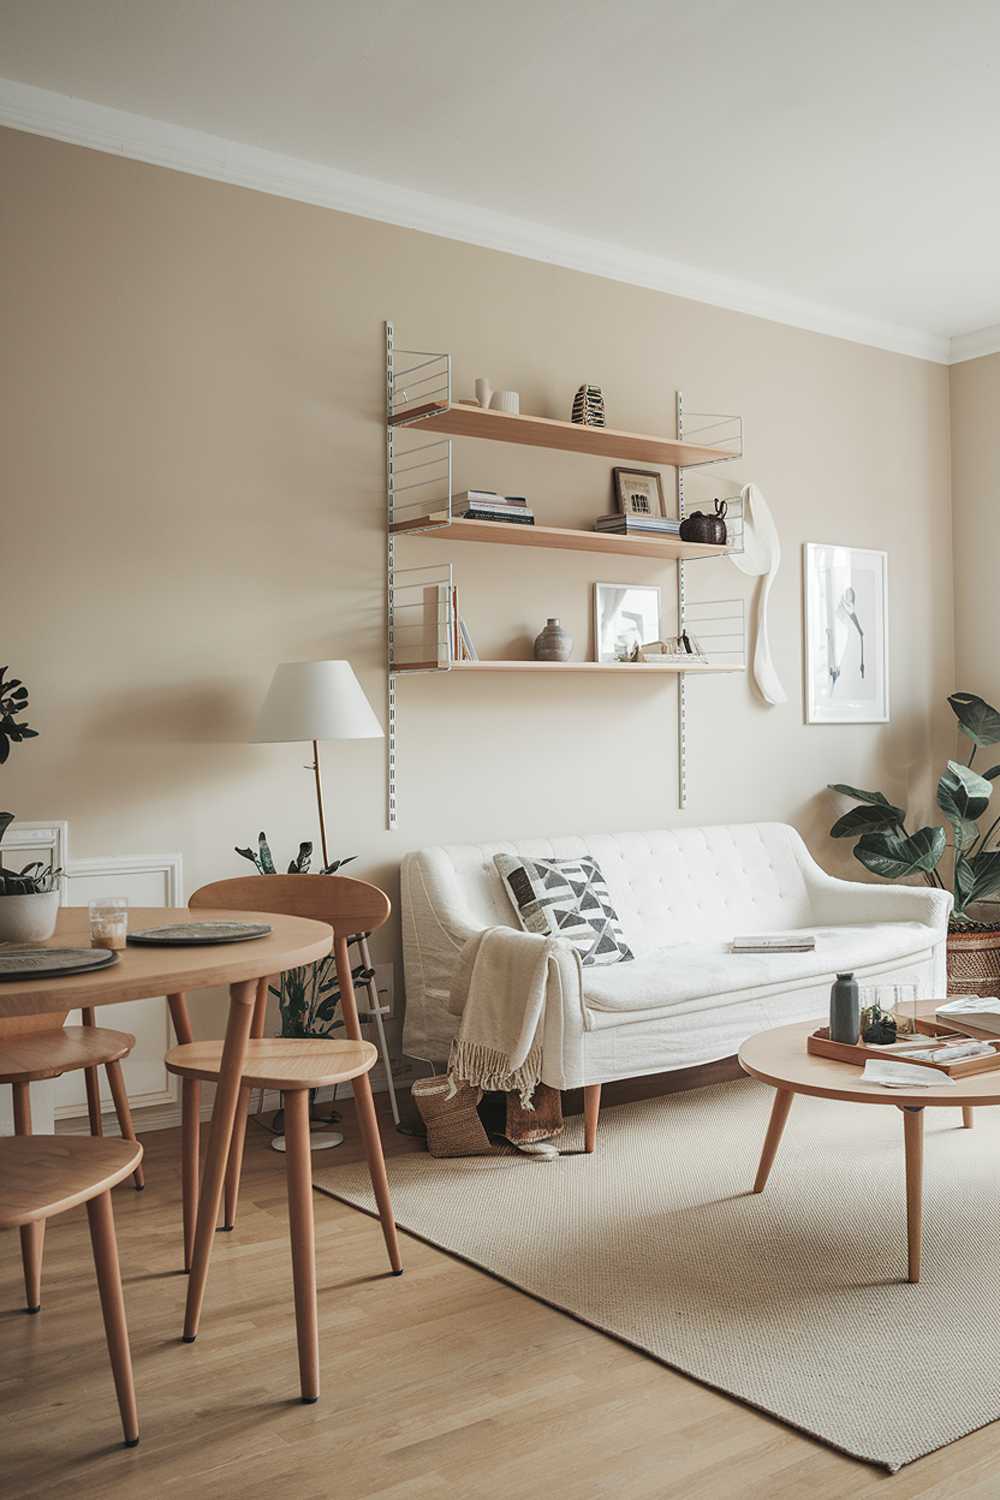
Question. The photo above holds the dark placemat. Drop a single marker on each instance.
(52, 963)
(196, 934)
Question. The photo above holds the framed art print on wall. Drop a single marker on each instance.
(847, 635)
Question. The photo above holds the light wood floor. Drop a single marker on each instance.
(442, 1382)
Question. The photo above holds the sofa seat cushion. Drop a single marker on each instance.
(696, 971)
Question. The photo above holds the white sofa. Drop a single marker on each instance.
(681, 895)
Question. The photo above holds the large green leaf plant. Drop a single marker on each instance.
(886, 848)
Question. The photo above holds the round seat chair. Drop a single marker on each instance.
(293, 1065)
(44, 1175)
(45, 1051)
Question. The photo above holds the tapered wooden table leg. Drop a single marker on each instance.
(298, 1162)
(32, 1235)
(779, 1115)
(967, 1116)
(120, 1095)
(109, 1281)
(368, 1122)
(234, 1167)
(234, 1051)
(913, 1138)
(190, 1162)
(591, 1112)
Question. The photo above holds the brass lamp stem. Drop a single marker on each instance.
(319, 803)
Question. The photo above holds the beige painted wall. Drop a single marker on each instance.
(975, 470)
(192, 448)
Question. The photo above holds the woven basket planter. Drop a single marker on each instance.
(974, 959)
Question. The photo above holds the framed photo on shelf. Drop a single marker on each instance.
(638, 492)
(847, 635)
(626, 615)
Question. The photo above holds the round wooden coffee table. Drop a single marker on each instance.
(779, 1057)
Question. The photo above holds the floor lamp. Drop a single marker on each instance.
(315, 701)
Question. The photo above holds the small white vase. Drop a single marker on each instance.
(484, 391)
(28, 919)
(508, 401)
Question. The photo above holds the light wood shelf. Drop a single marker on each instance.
(464, 419)
(622, 668)
(670, 549)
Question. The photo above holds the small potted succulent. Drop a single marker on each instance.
(29, 898)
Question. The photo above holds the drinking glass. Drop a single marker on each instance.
(109, 922)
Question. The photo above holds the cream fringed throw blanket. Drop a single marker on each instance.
(503, 983)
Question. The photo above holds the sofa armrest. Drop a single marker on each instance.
(845, 902)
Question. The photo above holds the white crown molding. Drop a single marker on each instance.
(974, 345)
(43, 112)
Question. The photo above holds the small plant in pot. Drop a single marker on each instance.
(29, 898)
(972, 873)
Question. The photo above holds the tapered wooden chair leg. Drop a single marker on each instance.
(102, 1236)
(298, 1160)
(93, 1083)
(368, 1124)
(967, 1120)
(119, 1094)
(591, 1112)
(234, 1166)
(32, 1235)
(190, 1161)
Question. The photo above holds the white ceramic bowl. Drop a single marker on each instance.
(28, 919)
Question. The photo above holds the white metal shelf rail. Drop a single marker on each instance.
(720, 431)
(418, 481)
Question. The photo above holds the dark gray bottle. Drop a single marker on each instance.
(845, 1009)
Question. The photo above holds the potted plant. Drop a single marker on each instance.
(307, 997)
(972, 873)
(29, 898)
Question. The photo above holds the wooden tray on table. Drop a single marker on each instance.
(820, 1045)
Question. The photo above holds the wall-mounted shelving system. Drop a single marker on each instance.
(419, 493)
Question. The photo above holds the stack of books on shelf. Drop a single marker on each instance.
(619, 525)
(487, 505)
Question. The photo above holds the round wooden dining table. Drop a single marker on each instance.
(144, 972)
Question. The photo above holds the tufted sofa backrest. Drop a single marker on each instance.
(669, 886)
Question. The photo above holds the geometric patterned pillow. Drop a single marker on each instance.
(566, 898)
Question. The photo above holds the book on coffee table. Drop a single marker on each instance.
(980, 1011)
(774, 942)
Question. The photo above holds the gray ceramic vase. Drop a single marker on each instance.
(553, 643)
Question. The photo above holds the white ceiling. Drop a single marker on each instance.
(833, 165)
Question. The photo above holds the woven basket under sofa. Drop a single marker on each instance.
(974, 961)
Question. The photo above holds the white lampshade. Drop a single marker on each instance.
(315, 700)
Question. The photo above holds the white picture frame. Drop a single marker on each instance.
(846, 634)
(625, 615)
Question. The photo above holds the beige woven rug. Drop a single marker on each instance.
(793, 1301)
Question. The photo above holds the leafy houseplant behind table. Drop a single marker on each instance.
(886, 848)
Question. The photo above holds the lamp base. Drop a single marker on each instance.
(320, 1141)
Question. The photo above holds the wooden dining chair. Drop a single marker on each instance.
(44, 1175)
(33, 1052)
(293, 1065)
